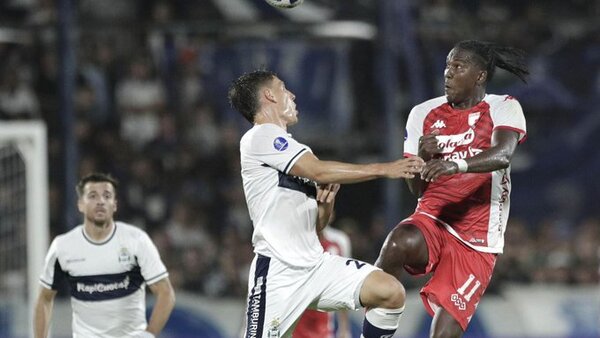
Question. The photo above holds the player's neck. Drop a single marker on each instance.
(270, 118)
(98, 233)
(469, 102)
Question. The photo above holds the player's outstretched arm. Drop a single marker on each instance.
(43, 312)
(165, 301)
(309, 166)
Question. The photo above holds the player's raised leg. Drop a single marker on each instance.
(383, 296)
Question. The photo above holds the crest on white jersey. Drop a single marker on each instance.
(274, 329)
(125, 257)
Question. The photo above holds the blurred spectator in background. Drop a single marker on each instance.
(140, 100)
(17, 98)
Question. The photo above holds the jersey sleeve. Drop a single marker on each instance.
(509, 115)
(276, 149)
(52, 269)
(152, 267)
(413, 132)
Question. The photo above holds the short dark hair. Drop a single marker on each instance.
(243, 93)
(492, 55)
(96, 177)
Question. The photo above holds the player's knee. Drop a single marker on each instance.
(392, 292)
(404, 245)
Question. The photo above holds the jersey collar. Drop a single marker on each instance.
(108, 238)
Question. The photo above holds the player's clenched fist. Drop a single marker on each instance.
(406, 168)
(436, 168)
(429, 146)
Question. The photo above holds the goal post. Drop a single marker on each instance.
(24, 220)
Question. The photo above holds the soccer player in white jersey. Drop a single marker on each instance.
(290, 194)
(107, 265)
(467, 139)
(317, 324)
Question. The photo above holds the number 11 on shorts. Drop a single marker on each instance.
(466, 285)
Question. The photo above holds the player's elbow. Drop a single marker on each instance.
(171, 297)
(164, 290)
(318, 173)
(313, 170)
(503, 162)
(320, 177)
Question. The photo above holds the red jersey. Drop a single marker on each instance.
(473, 207)
(317, 324)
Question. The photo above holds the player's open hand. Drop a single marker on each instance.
(436, 168)
(429, 146)
(406, 167)
(326, 192)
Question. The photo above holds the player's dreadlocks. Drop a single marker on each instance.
(493, 55)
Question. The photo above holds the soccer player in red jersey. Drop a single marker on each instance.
(467, 138)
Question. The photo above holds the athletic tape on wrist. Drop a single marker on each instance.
(462, 165)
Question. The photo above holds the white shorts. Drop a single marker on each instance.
(278, 294)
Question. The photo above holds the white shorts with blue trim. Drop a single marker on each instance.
(278, 294)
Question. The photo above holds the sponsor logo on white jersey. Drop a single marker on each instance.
(102, 287)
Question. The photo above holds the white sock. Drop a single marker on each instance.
(381, 322)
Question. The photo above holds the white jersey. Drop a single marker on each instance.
(107, 279)
(283, 208)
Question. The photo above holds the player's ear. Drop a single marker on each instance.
(482, 78)
(80, 206)
(268, 94)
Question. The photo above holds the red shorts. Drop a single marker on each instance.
(460, 273)
(314, 324)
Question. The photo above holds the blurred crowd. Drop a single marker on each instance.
(155, 127)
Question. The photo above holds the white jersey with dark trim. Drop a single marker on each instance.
(283, 208)
(107, 279)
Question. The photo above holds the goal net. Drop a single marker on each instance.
(23, 222)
